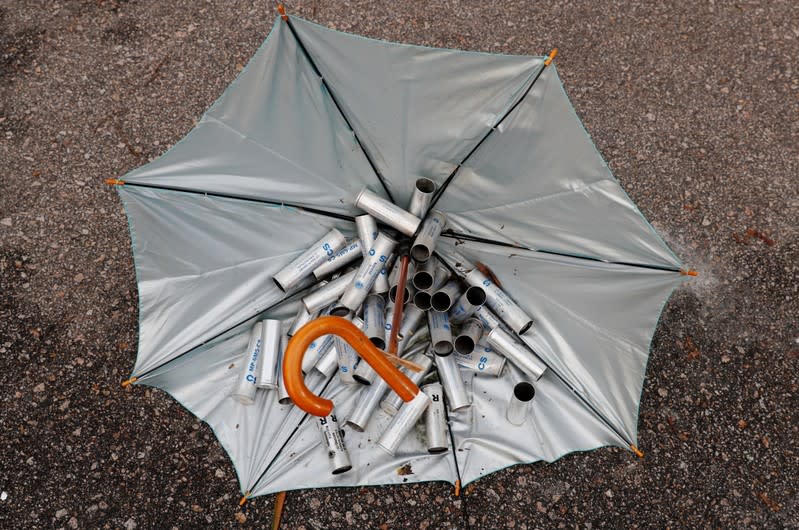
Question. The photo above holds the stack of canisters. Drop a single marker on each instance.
(456, 320)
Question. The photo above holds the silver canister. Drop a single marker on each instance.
(367, 403)
(367, 232)
(361, 284)
(435, 419)
(470, 334)
(425, 274)
(451, 379)
(425, 242)
(347, 359)
(423, 300)
(343, 257)
(282, 394)
(517, 353)
(440, 332)
(422, 197)
(334, 442)
(403, 422)
(389, 320)
(306, 262)
(412, 318)
(520, 402)
(320, 348)
(393, 280)
(392, 401)
(467, 304)
(364, 373)
(374, 319)
(328, 362)
(488, 318)
(482, 361)
(444, 297)
(381, 282)
(388, 212)
(302, 318)
(500, 303)
(245, 386)
(328, 293)
(305, 283)
(271, 331)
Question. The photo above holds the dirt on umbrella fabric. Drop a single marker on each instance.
(687, 104)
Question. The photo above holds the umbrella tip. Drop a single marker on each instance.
(688, 272)
(636, 451)
(458, 488)
(115, 182)
(282, 10)
(126, 383)
(244, 498)
(551, 57)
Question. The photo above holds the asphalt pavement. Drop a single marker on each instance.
(695, 107)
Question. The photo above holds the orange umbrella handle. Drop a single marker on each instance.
(292, 363)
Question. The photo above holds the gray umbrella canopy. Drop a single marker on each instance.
(277, 162)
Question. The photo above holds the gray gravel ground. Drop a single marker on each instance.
(694, 105)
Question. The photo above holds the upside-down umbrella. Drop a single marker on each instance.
(277, 161)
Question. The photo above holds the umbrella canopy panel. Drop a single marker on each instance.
(539, 182)
(205, 263)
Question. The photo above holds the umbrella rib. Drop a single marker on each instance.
(456, 235)
(451, 437)
(333, 98)
(308, 209)
(485, 137)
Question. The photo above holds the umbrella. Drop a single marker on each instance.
(278, 161)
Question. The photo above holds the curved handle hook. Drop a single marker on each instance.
(329, 325)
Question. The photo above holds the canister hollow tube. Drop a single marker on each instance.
(292, 362)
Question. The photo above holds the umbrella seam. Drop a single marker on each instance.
(584, 187)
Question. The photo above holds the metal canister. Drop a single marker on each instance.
(245, 386)
(367, 232)
(309, 260)
(500, 303)
(282, 394)
(327, 293)
(467, 304)
(488, 318)
(348, 254)
(435, 419)
(368, 401)
(517, 353)
(425, 274)
(403, 422)
(425, 241)
(357, 291)
(452, 381)
(271, 332)
(302, 318)
(374, 319)
(440, 332)
(482, 361)
(334, 443)
(520, 402)
(422, 197)
(444, 297)
(388, 212)
(470, 334)
(392, 401)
